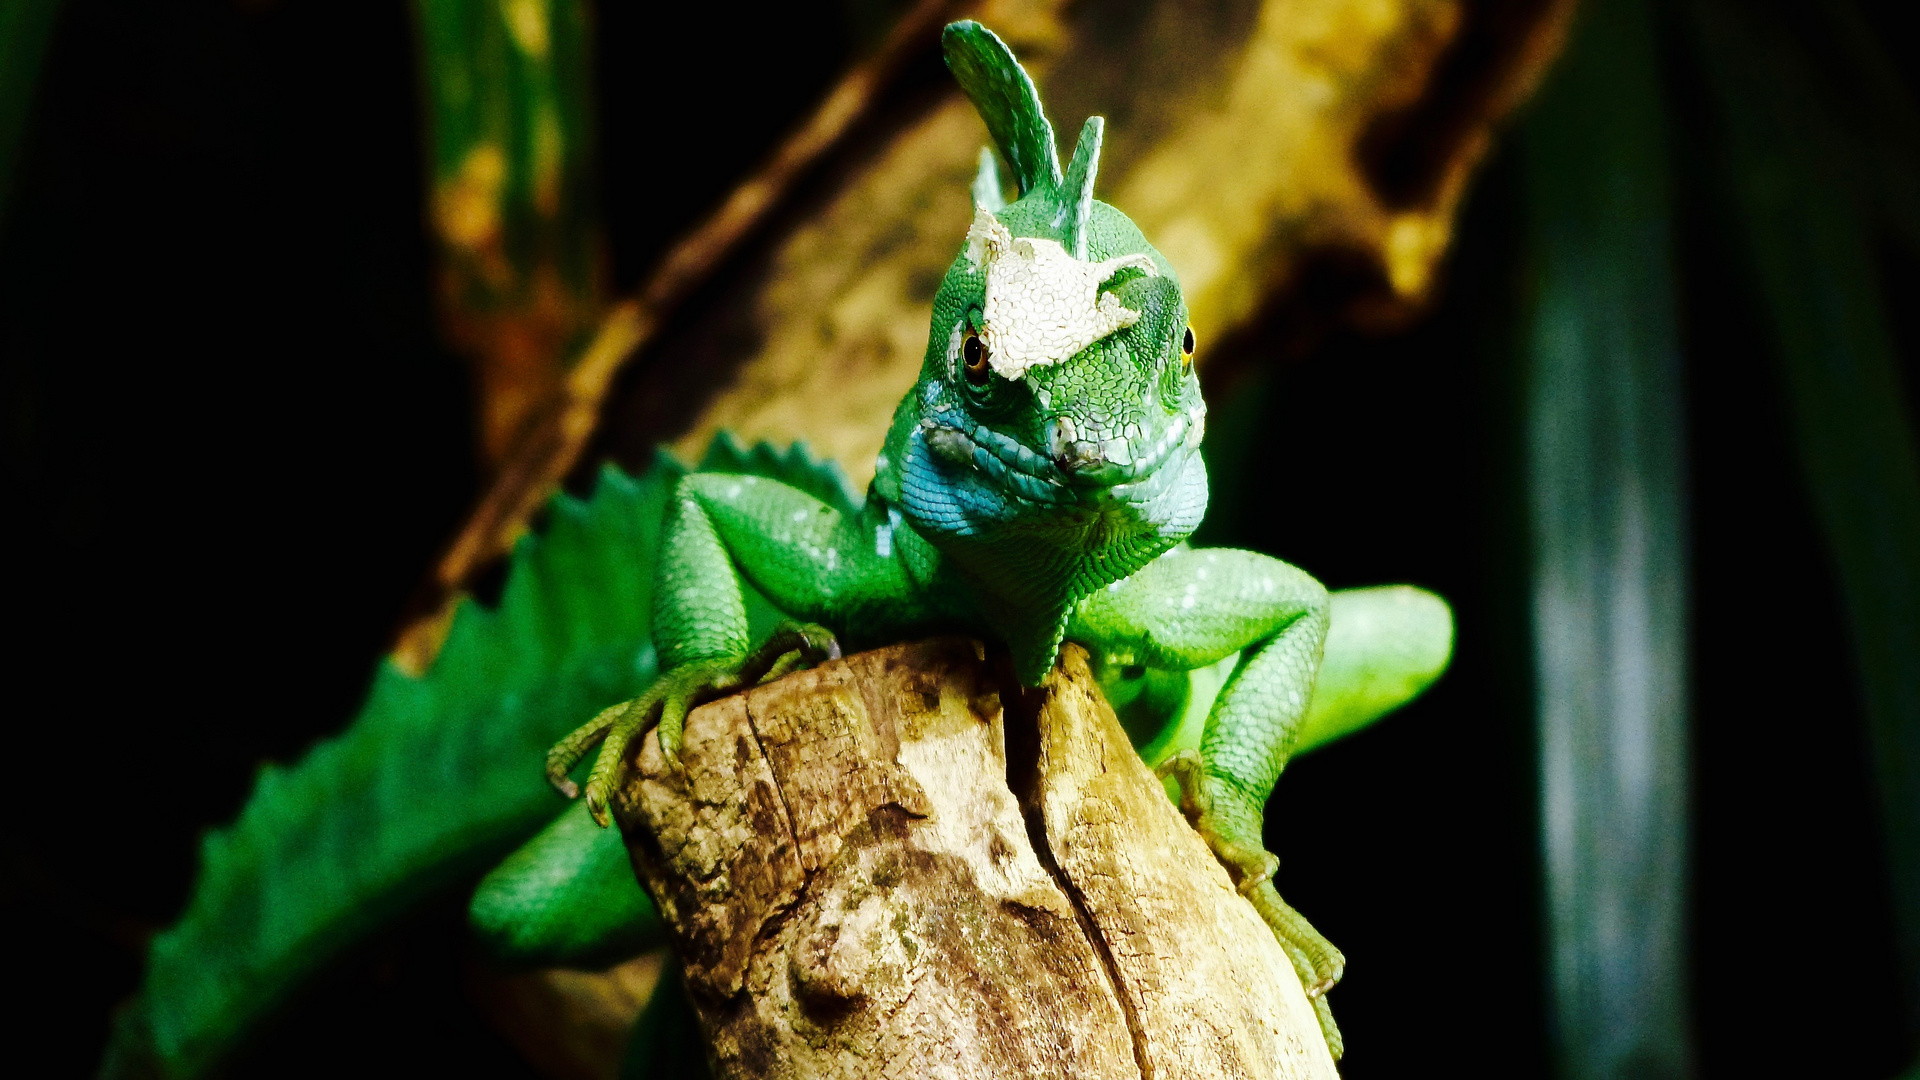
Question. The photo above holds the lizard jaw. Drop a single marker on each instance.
(1088, 466)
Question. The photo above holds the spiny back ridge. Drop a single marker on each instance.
(1007, 101)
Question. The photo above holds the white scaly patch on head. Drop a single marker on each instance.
(1043, 305)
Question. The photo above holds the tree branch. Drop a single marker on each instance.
(874, 869)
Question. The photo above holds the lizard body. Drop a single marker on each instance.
(1037, 486)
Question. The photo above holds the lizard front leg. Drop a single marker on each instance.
(666, 703)
(1189, 609)
(809, 559)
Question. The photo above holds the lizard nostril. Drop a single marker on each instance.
(1060, 436)
(1068, 450)
(1080, 454)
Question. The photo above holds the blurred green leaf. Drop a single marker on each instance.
(509, 119)
(509, 106)
(1605, 468)
(25, 27)
(1804, 184)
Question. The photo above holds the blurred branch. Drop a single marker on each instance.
(1239, 137)
(25, 28)
(1606, 470)
(558, 427)
(573, 1025)
(1803, 217)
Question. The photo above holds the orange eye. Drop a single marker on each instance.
(973, 356)
(1186, 351)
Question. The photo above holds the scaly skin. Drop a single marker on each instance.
(1024, 495)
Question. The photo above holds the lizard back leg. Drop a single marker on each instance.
(1187, 610)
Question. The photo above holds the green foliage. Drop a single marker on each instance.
(1816, 145)
(25, 26)
(1605, 480)
(509, 124)
(1821, 152)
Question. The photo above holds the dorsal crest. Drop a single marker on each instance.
(1007, 101)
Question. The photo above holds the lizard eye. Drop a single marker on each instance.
(973, 356)
(1186, 351)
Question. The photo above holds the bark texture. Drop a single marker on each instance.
(887, 867)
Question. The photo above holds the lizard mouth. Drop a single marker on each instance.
(1072, 468)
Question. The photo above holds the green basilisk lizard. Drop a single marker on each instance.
(1037, 486)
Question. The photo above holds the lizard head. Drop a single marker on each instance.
(1054, 433)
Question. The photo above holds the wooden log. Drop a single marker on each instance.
(899, 865)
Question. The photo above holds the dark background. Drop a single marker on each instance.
(232, 444)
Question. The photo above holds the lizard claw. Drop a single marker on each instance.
(597, 804)
(1315, 960)
(1187, 772)
(665, 704)
(1231, 831)
(814, 641)
(664, 707)
(569, 751)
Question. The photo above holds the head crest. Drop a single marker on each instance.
(1006, 100)
(1042, 303)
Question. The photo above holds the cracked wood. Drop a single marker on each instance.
(856, 891)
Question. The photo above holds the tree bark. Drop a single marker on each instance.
(900, 864)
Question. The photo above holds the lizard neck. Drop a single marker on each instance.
(1023, 561)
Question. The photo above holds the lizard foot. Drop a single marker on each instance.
(1228, 822)
(665, 704)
